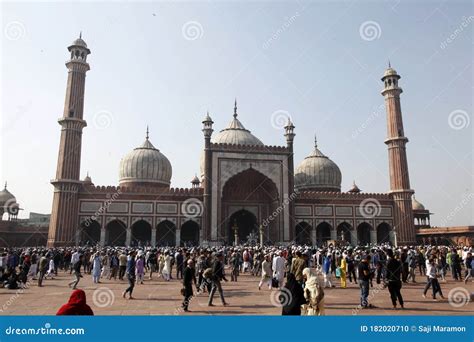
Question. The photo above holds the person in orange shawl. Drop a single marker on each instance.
(76, 305)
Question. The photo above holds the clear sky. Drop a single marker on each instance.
(165, 63)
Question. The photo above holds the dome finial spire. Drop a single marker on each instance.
(389, 65)
(80, 34)
(315, 141)
(5, 185)
(147, 132)
(235, 108)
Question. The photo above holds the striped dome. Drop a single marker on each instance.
(145, 165)
(317, 172)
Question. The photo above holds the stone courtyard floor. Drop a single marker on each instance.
(157, 297)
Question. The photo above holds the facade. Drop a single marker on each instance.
(245, 188)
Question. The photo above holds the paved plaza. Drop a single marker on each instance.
(157, 297)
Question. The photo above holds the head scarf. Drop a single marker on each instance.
(76, 305)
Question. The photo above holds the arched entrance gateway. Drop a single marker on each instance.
(246, 223)
(189, 234)
(303, 233)
(249, 198)
(344, 232)
(141, 233)
(166, 234)
(90, 233)
(115, 233)
(323, 233)
(383, 233)
(363, 233)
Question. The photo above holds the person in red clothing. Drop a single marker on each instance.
(76, 305)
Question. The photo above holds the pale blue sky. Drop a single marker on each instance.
(312, 59)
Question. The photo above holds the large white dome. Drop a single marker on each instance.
(236, 134)
(317, 172)
(145, 165)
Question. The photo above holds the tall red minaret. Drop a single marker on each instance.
(64, 219)
(399, 179)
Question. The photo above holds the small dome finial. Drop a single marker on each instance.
(389, 65)
(5, 185)
(235, 108)
(80, 35)
(147, 132)
(315, 141)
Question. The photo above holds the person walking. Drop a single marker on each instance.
(140, 267)
(217, 276)
(342, 272)
(114, 266)
(167, 266)
(364, 278)
(266, 273)
(77, 273)
(43, 265)
(278, 267)
(234, 266)
(468, 262)
(96, 267)
(189, 278)
(130, 275)
(394, 273)
(327, 261)
(122, 264)
(291, 297)
(297, 266)
(313, 293)
(432, 280)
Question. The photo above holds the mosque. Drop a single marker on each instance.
(246, 189)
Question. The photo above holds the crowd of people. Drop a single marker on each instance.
(300, 273)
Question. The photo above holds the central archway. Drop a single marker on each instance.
(166, 234)
(323, 233)
(141, 233)
(344, 232)
(363, 233)
(189, 234)
(383, 233)
(116, 233)
(303, 234)
(90, 233)
(246, 223)
(251, 198)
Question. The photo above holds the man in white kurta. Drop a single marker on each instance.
(278, 266)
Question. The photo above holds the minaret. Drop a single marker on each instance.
(290, 137)
(64, 215)
(399, 179)
(207, 179)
